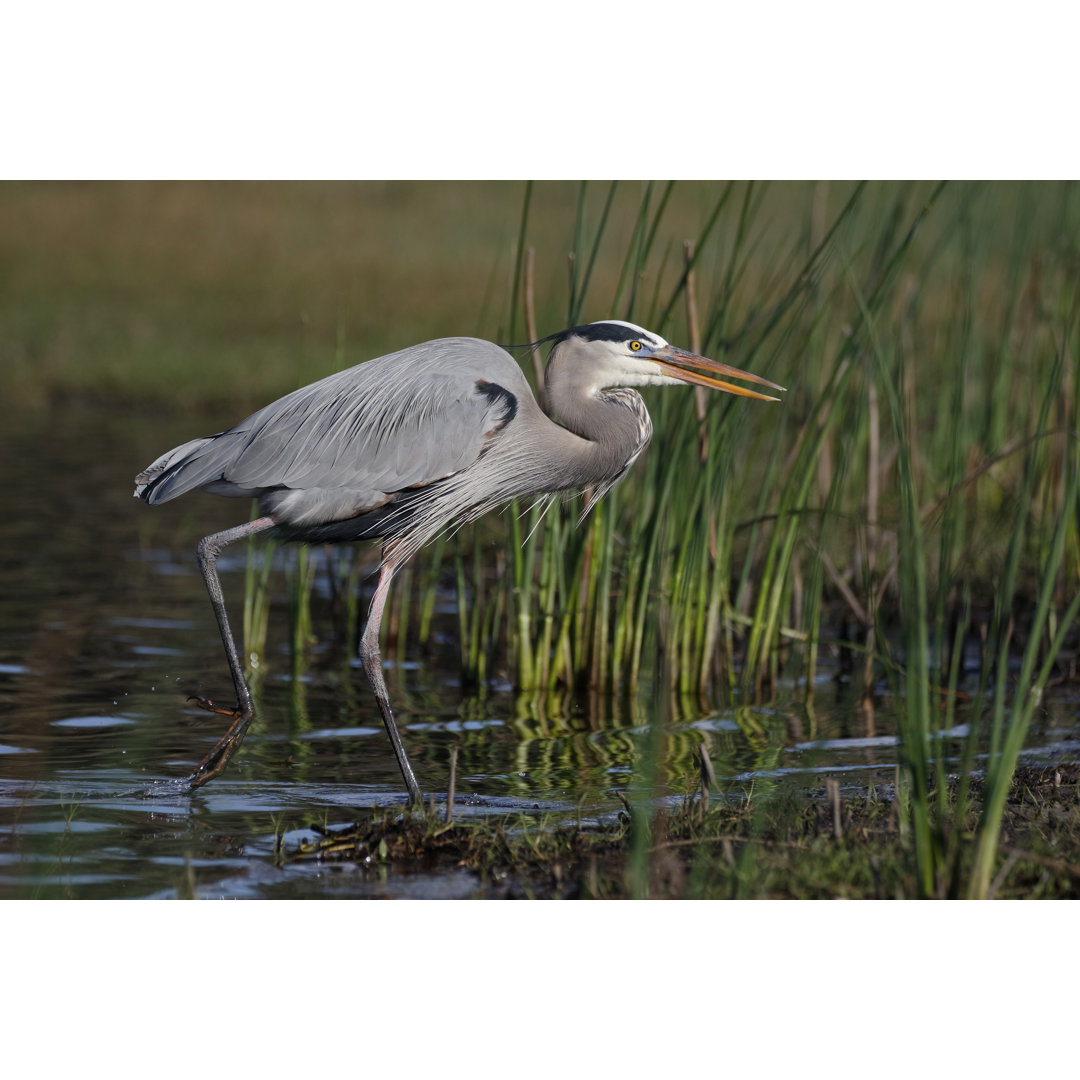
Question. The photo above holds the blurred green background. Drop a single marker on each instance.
(212, 293)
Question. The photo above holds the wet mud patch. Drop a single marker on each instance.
(788, 846)
(519, 860)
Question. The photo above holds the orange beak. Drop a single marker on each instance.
(690, 368)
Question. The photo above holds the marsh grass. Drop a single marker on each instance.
(746, 844)
(892, 488)
(259, 559)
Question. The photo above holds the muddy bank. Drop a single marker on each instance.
(788, 847)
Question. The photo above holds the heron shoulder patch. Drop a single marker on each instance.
(499, 397)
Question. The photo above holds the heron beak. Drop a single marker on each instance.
(690, 368)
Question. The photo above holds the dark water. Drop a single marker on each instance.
(105, 630)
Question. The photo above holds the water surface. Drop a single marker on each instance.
(105, 631)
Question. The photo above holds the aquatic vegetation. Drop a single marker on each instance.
(739, 847)
(922, 468)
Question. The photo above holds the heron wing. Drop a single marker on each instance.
(355, 438)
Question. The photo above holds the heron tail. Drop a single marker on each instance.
(147, 482)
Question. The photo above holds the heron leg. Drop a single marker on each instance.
(371, 659)
(210, 547)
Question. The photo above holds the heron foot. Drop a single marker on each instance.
(214, 763)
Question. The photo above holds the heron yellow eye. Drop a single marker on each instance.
(635, 345)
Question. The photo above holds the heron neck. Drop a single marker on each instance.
(611, 425)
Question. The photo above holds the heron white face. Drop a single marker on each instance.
(619, 353)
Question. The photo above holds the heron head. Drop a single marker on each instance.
(623, 354)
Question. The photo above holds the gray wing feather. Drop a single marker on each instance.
(403, 420)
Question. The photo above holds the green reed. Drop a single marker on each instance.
(729, 548)
(260, 557)
(1049, 624)
(940, 840)
(920, 466)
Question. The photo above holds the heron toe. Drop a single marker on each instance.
(235, 711)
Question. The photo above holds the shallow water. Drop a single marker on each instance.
(105, 630)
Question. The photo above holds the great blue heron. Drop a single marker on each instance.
(404, 446)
